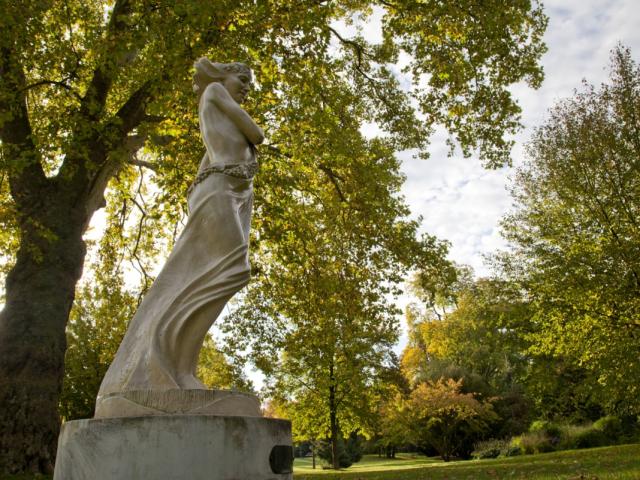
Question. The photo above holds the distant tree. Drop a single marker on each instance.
(97, 324)
(485, 334)
(438, 415)
(439, 286)
(475, 325)
(386, 435)
(563, 391)
(484, 337)
(436, 287)
(318, 322)
(480, 338)
(216, 371)
(394, 417)
(576, 235)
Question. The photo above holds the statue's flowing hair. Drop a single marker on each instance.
(208, 72)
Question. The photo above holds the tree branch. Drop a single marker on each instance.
(153, 119)
(132, 113)
(88, 166)
(134, 253)
(142, 163)
(136, 142)
(95, 98)
(334, 177)
(387, 4)
(57, 83)
(276, 150)
(26, 175)
(360, 52)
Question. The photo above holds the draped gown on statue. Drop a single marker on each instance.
(208, 265)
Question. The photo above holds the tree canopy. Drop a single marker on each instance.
(576, 237)
(84, 86)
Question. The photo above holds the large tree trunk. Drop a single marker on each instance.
(52, 213)
(39, 294)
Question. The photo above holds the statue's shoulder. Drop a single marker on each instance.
(215, 90)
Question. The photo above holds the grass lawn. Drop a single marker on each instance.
(370, 463)
(607, 463)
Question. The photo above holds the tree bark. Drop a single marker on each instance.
(334, 424)
(53, 214)
(40, 291)
(334, 440)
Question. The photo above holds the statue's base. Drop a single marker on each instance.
(175, 447)
(139, 403)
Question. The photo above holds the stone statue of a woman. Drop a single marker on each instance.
(156, 362)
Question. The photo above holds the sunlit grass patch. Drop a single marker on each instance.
(607, 463)
(370, 463)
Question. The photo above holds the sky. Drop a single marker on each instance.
(462, 202)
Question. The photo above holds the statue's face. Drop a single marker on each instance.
(238, 85)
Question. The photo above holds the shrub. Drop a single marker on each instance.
(546, 436)
(589, 439)
(533, 442)
(349, 451)
(570, 433)
(516, 442)
(324, 452)
(489, 448)
(446, 419)
(354, 448)
(606, 431)
(630, 429)
(512, 451)
(513, 410)
(497, 448)
(550, 429)
(611, 428)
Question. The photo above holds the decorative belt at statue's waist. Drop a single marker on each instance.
(239, 170)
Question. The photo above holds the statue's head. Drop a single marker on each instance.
(229, 74)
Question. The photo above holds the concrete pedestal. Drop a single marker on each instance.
(175, 447)
(140, 403)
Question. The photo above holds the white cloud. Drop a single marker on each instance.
(463, 203)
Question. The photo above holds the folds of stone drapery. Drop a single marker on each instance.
(207, 266)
